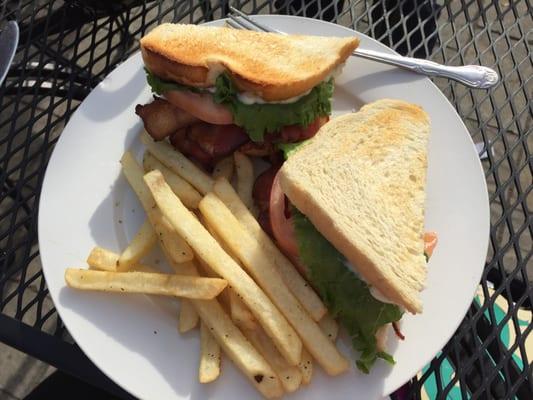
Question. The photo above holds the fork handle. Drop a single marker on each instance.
(474, 76)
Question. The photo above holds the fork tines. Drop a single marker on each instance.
(239, 20)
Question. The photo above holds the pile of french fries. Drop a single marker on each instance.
(247, 298)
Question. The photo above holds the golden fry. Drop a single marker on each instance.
(208, 249)
(178, 163)
(169, 239)
(102, 259)
(306, 367)
(292, 278)
(145, 282)
(238, 349)
(223, 297)
(245, 179)
(183, 189)
(330, 327)
(290, 375)
(141, 244)
(105, 260)
(184, 268)
(224, 168)
(265, 273)
(188, 317)
(240, 314)
(209, 368)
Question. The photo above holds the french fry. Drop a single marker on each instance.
(224, 168)
(290, 375)
(292, 278)
(178, 249)
(184, 268)
(105, 260)
(265, 273)
(169, 239)
(234, 344)
(229, 298)
(229, 337)
(306, 367)
(145, 282)
(188, 317)
(147, 268)
(209, 368)
(140, 246)
(213, 233)
(208, 249)
(244, 355)
(183, 189)
(239, 349)
(240, 314)
(102, 259)
(329, 326)
(245, 179)
(178, 163)
(224, 297)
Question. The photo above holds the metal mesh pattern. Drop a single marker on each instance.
(68, 47)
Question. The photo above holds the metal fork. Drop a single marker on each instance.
(474, 76)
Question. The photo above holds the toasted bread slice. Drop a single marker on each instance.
(361, 181)
(273, 66)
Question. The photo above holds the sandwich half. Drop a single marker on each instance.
(220, 89)
(354, 220)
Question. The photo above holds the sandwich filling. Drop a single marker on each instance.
(208, 124)
(259, 119)
(348, 298)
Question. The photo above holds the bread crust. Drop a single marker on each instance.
(361, 182)
(273, 66)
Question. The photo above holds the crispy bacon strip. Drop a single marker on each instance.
(258, 149)
(161, 118)
(207, 143)
(288, 134)
(263, 187)
(295, 133)
(218, 141)
(189, 148)
(397, 331)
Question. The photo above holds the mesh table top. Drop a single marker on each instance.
(67, 47)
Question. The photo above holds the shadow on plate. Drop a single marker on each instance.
(110, 89)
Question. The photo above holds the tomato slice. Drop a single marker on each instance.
(202, 106)
(430, 242)
(297, 133)
(263, 187)
(282, 227)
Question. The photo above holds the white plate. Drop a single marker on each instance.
(133, 339)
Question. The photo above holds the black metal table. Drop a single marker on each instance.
(67, 47)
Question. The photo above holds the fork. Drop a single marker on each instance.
(474, 76)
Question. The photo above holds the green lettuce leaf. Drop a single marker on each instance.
(160, 86)
(258, 119)
(347, 297)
